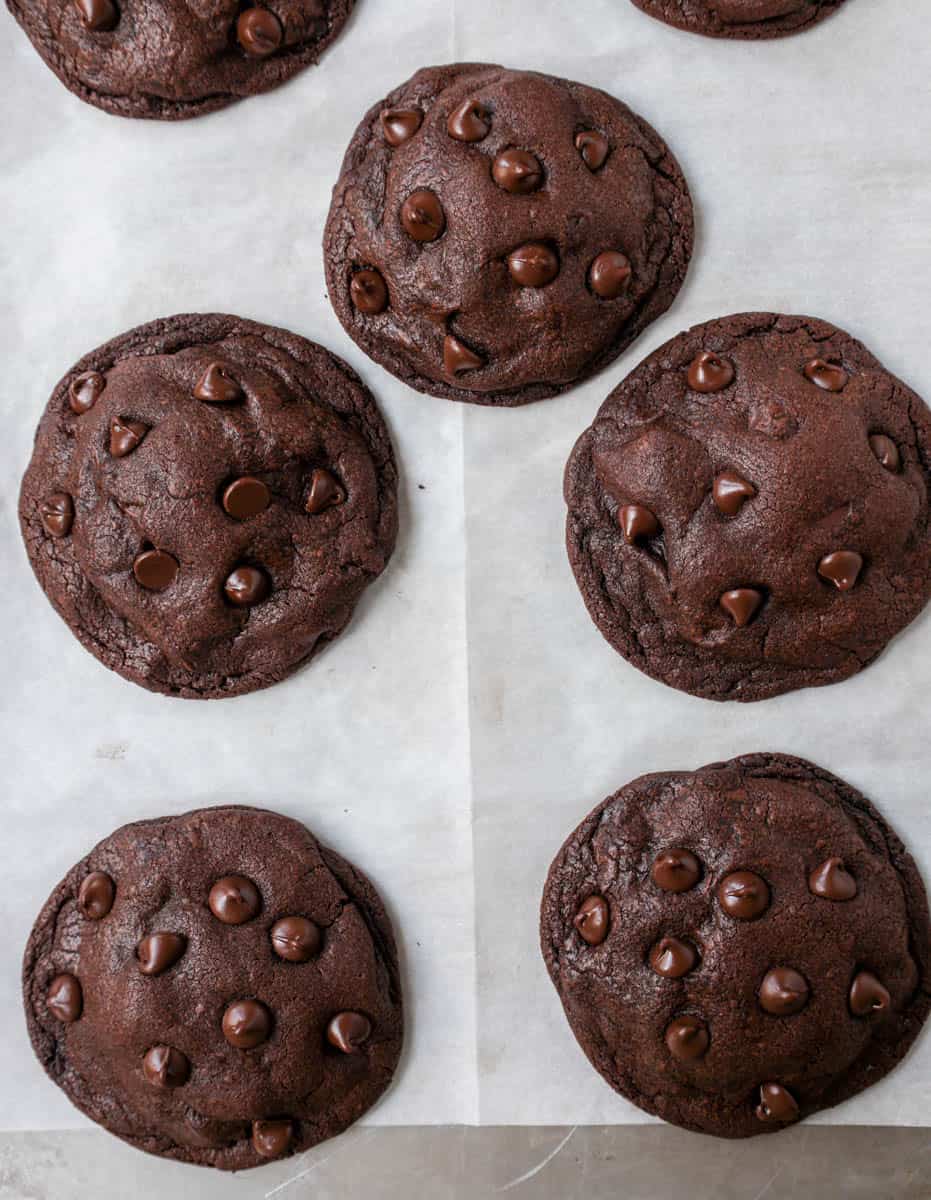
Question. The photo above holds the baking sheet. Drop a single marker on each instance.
(472, 714)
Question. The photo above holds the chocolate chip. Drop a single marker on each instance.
(125, 436)
(259, 32)
(730, 492)
(96, 895)
(672, 958)
(163, 1066)
(348, 1031)
(743, 895)
(234, 899)
(594, 148)
(832, 881)
(868, 996)
(246, 497)
(783, 992)
(469, 122)
(637, 523)
(776, 1104)
(216, 385)
(842, 568)
(533, 265)
(155, 570)
(65, 998)
(458, 358)
(324, 492)
(593, 920)
(295, 939)
(246, 1024)
(159, 951)
(710, 373)
(517, 171)
(271, 1139)
(84, 391)
(246, 586)
(676, 870)
(828, 376)
(368, 292)
(398, 125)
(741, 605)
(887, 452)
(609, 275)
(687, 1039)
(422, 216)
(98, 16)
(57, 514)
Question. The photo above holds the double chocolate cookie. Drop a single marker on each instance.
(171, 59)
(748, 513)
(216, 988)
(206, 502)
(738, 947)
(748, 19)
(497, 236)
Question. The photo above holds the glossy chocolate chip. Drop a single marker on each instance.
(593, 920)
(730, 492)
(533, 265)
(459, 358)
(155, 570)
(887, 452)
(368, 292)
(163, 1066)
(217, 386)
(64, 998)
(676, 870)
(246, 586)
(96, 895)
(832, 881)
(709, 372)
(349, 1031)
(783, 992)
(246, 497)
(324, 492)
(469, 122)
(637, 523)
(272, 1139)
(58, 514)
(234, 899)
(776, 1104)
(398, 125)
(259, 32)
(687, 1039)
(609, 275)
(85, 391)
(741, 605)
(517, 171)
(422, 216)
(246, 1024)
(672, 958)
(125, 436)
(868, 996)
(826, 375)
(159, 951)
(842, 568)
(295, 939)
(744, 895)
(98, 16)
(593, 147)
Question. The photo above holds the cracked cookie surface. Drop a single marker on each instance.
(744, 19)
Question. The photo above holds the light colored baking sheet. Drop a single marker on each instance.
(472, 714)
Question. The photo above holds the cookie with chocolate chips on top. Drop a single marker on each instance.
(206, 502)
(497, 236)
(749, 512)
(216, 988)
(744, 19)
(739, 947)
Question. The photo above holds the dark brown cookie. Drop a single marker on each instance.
(745, 19)
(206, 502)
(497, 236)
(763, 950)
(748, 513)
(216, 988)
(169, 59)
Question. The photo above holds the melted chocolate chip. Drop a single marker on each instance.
(246, 497)
(776, 1104)
(458, 358)
(398, 125)
(96, 895)
(246, 1024)
(155, 570)
(246, 586)
(887, 452)
(65, 998)
(159, 951)
(271, 1139)
(609, 275)
(842, 568)
(422, 216)
(730, 492)
(832, 881)
(672, 958)
(741, 605)
(216, 385)
(259, 32)
(637, 523)
(125, 436)
(234, 899)
(58, 514)
(828, 376)
(593, 147)
(743, 895)
(687, 1039)
(676, 870)
(368, 292)
(295, 939)
(868, 996)
(163, 1066)
(593, 920)
(98, 16)
(469, 122)
(349, 1031)
(85, 391)
(783, 992)
(533, 265)
(324, 492)
(517, 171)
(710, 373)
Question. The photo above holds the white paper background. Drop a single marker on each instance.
(472, 714)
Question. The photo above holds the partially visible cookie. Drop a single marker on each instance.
(216, 988)
(747, 19)
(749, 512)
(171, 59)
(207, 500)
(497, 236)
(738, 947)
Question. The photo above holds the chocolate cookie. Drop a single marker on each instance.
(170, 59)
(216, 988)
(206, 502)
(497, 236)
(747, 19)
(748, 513)
(738, 947)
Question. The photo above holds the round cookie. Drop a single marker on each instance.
(207, 499)
(216, 988)
(170, 59)
(748, 514)
(738, 947)
(497, 236)
(744, 19)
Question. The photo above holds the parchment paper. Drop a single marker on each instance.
(472, 714)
